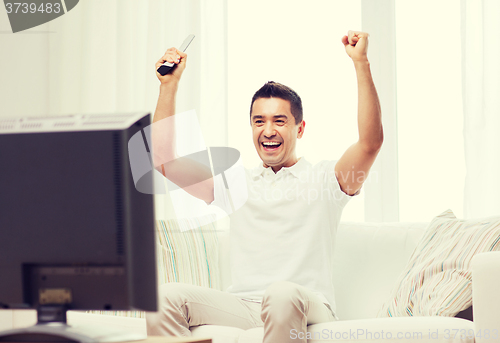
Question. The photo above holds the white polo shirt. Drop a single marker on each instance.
(285, 230)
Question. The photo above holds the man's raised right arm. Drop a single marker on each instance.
(194, 177)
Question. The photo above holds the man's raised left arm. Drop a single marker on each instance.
(353, 167)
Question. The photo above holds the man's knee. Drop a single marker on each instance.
(167, 321)
(170, 298)
(172, 294)
(281, 302)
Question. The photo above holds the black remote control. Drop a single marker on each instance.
(167, 67)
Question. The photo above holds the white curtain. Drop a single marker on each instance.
(481, 100)
(102, 57)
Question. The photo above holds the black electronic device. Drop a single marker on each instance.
(167, 67)
(75, 233)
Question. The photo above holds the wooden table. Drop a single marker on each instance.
(160, 339)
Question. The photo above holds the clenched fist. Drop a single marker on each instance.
(356, 45)
(172, 55)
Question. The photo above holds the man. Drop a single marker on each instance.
(282, 237)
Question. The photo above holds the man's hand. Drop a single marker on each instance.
(172, 55)
(356, 45)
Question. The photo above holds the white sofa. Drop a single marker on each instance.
(368, 259)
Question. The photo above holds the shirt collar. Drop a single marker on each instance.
(295, 170)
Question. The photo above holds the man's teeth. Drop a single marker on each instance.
(271, 143)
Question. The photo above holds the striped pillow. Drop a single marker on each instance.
(187, 251)
(437, 279)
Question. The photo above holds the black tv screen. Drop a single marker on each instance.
(74, 230)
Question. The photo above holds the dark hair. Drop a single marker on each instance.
(276, 90)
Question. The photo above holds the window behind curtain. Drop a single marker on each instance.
(431, 160)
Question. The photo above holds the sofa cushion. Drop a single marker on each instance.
(367, 262)
(437, 280)
(395, 330)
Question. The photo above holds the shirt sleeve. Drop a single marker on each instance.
(230, 189)
(221, 198)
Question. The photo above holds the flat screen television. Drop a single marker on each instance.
(75, 233)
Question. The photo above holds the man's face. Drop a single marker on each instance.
(275, 132)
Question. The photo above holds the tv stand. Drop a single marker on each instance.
(52, 326)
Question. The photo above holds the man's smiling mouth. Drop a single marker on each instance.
(270, 146)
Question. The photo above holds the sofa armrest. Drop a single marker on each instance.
(486, 297)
